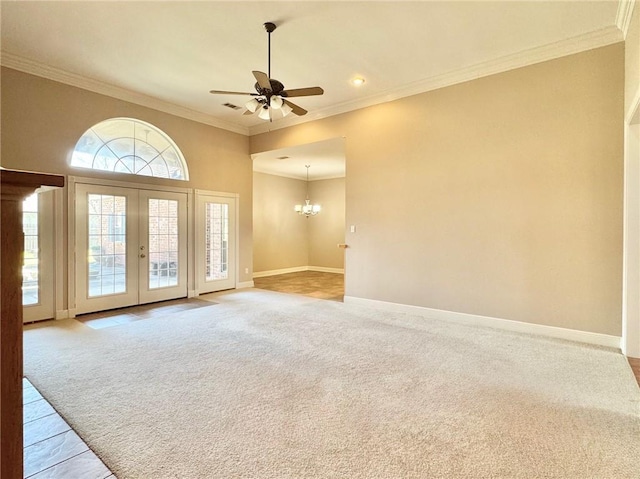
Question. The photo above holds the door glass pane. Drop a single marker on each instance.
(107, 253)
(30, 284)
(163, 243)
(217, 241)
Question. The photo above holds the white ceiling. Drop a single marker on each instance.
(325, 159)
(168, 55)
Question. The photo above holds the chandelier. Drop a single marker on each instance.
(307, 209)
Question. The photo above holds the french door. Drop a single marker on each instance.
(131, 246)
(38, 262)
(215, 242)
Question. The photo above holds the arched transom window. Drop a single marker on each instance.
(126, 145)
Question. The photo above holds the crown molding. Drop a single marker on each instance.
(632, 116)
(623, 16)
(589, 41)
(25, 65)
(265, 171)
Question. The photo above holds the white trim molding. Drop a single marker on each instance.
(569, 46)
(297, 269)
(623, 16)
(322, 269)
(26, 65)
(498, 323)
(123, 183)
(600, 38)
(59, 242)
(244, 284)
(273, 272)
(633, 115)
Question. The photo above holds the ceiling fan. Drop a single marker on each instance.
(271, 95)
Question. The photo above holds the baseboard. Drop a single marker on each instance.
(506, 324)
(244, 284)
(322, 269)
(273, 272)
(297, 269)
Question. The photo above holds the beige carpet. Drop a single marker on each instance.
(265, 385)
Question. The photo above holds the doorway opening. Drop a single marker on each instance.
(293, 252)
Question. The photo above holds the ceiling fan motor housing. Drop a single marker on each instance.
(277, 88)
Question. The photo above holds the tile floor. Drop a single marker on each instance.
(105, 319)
(308, 283)
(52, 450)
(635, 367)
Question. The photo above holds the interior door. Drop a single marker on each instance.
(131, 247)
(38, 265)
(215, 243)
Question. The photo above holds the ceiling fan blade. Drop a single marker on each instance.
(263, 80)
(295, 108)
(314, 90)
(248, 112)
(223, 92)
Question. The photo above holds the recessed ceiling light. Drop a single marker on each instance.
(357, 81)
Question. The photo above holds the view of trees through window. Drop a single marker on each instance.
(126, 145)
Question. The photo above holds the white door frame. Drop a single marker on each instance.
(129, 296)
(199, 287)
(630, 343)
(71, 228)
(47, 221)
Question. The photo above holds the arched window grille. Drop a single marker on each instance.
(127, 145)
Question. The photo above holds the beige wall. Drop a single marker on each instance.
(632, 60)
(499, 197)
(42, 120)
(283, 239)
(327, 229)
(280, 236)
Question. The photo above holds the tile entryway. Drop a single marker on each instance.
(52, 450)
(315, 284)
(114, 317)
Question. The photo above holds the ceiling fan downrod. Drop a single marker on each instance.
(269, 27)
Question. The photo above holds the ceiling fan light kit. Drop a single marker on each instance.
(265, 113)
(252, 105)
(271, 96)
(276, 102)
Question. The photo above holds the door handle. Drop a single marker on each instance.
(143, 255)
